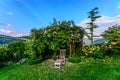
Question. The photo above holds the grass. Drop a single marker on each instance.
(88, 70)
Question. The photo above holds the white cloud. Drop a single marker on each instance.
(9, 25)
(5, 25)
(19, 35)
(5, 31)
(118, 6)
(104, 22)
(10, 13)
(108, 20)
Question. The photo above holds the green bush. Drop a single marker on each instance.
(33, 56)
(36, 61)
(88, 50)
(1, 65)
(74, 59)
(54, 57)
(78, 52)
(83, 58)
(98, 54)
(4, 55)
(16, 48)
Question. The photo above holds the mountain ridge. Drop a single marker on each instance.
(4, 39)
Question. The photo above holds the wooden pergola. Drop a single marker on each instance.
(74, 45)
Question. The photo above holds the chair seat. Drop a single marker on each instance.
(58, 63)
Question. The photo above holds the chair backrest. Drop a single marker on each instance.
(62, 53)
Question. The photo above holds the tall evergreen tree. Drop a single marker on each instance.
(93, 16)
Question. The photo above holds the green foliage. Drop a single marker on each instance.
(35, 61)
(17, 49)
(54, 57)
(77, 33)
(28, 48)
(95, 51)
(39, 42)
(1, 64)
(74, 59)
(33, 56)
(78, 52)
(98, 54)
(38, 47)
(59, 35)
(113, 35)
(5, 55)
(88, 50)
(93, 16)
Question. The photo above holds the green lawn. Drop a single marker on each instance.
(92, 70)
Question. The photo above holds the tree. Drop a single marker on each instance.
(59, 35)
(113, 36)
(28, 47)
(93, 16)
(38, 41)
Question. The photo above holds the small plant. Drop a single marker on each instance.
(98, 54)
(88, 50)
(35, 61)
(78, 52)
(83, 58)
(74, 59)
(54, 57)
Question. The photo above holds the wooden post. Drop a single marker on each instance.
(54, 53)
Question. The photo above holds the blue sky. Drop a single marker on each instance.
(18, 17)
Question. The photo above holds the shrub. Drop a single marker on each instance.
(23, 60)
(110, 49)
(98, 54)
(74, 59)
(83, 58)
(3, 57)
(7, 63)
(17, 49)
(33, 56)
(4, 54)
(36, 61)
(1, 65)
(54, 57)
(88, 50)
(78, 52)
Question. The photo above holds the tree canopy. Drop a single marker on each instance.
(112, 34)
(56, 36)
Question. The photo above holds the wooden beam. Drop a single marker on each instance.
(70, 50)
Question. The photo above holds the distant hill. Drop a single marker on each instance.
(7, 39)
(101, 40)
(96, 40)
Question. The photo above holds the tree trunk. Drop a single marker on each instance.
(54, 53)
(92, 27)
(91, 38)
